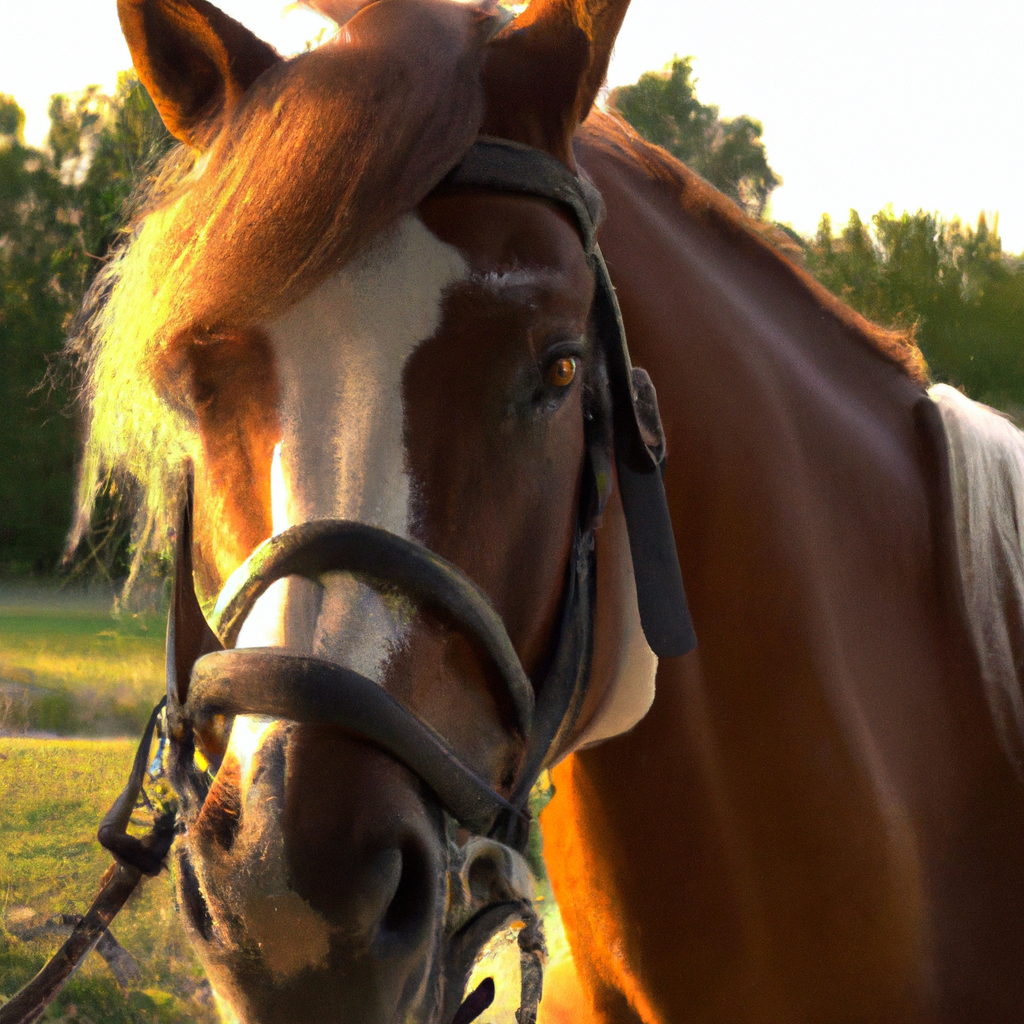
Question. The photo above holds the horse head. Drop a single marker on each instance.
(369, 355)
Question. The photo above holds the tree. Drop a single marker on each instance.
(663, 107)
(61, 208)
(106, 145)
(40, 280)
(951, 283)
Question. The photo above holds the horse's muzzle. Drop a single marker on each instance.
(278, 684)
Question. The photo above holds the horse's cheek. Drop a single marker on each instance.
(236, 397)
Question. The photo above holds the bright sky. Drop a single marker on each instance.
(918, 103)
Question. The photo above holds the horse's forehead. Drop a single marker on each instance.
(388, 300)
(341, 354)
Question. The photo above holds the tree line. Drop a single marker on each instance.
(63, 205)
(950, 282)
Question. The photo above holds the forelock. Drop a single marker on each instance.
(324, 152)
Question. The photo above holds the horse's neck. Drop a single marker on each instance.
(795, 779)
(797, 478)
(647, 189)
(760, 373)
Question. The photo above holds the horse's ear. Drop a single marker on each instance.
(545, 70)
(194, 61)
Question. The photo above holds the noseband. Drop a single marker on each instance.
(207, 678)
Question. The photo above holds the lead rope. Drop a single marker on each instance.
(30, 1002)
(135, 859)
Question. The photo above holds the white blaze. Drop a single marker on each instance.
(341, 353)
(278, 495)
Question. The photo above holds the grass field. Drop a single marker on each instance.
(53, 794)
(69, 667)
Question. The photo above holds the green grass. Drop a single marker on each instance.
(69, 667)
(53, 794)
(74, 669)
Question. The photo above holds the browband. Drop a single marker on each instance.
(503, 166)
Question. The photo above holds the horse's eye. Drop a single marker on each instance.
(562, 372)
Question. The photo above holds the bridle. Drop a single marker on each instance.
(206, 677)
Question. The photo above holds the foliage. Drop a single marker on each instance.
(60, 210)
(951, 281)
(40, 281)
(663, 107)
(53, 794)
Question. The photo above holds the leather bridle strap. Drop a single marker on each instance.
(264, 681)
(384, 560)
(564, 687)
(279, 684)
(498, 165)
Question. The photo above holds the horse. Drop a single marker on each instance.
(362, 356)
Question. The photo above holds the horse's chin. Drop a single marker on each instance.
(238, 1003)
(345, 989)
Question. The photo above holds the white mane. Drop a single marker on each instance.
(986, 456)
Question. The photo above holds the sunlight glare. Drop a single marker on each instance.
(278, 495)
(246, 736)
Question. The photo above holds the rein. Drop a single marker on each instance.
(206, 678)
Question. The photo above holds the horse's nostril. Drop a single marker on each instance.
(408, 912)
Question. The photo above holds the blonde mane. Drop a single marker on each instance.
(323, 153)
(986, 464)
